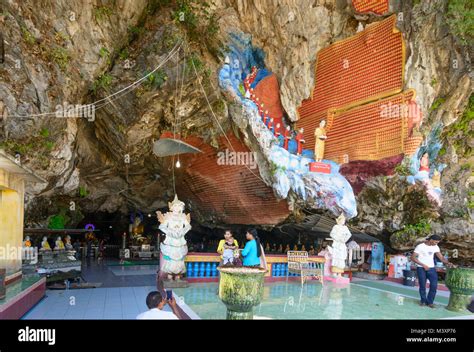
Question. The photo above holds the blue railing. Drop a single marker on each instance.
(209, 269)
(202, 269)
(281, 269)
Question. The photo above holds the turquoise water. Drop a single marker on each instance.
(315, 301)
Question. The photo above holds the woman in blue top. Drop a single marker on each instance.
(252, 251)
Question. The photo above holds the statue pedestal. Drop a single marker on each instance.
(338, 280)
(322, 168)
(241, 289)
(460, 282)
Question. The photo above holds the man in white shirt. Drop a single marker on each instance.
(156, 303)
(423, 257)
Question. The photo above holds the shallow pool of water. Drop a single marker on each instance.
(316, 301)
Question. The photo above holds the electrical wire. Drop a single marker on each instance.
(107, 100)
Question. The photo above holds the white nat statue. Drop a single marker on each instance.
(175, 224)
(340, 234)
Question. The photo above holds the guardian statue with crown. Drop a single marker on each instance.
(175, 224)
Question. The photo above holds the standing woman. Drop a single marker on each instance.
(253, 253)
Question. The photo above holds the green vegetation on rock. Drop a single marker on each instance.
(101, 12)
(27, 36)
(60, 56)
(461, 132)
(104, 81)
(460, 18)
(410, 233)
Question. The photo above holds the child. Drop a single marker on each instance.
(229, 249)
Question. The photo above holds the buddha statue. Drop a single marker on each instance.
(27, 242)
(68, 243)
(267, 247)
(287, 248)
(280, 248)
(59, 244)
(320, 136)
(303, 248)
(295, 247)
(45, 245)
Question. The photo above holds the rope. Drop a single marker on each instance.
(217, 120)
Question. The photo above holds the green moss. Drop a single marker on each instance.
(460, 18)
(123, 54)
(200, 23)
(83, 193)
(44, 132)
(27, 36)
(437, 103)
(104, 53)
(402, 170)
(60, 56)
(460, 132)
(156, 79)
(104, 81)
(101, 12)
(410, 233)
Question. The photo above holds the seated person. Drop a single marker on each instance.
(156, 303)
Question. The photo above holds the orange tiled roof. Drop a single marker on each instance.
(378, 7)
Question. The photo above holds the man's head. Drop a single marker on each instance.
(228, 234)
(433, 240)
(155, 300)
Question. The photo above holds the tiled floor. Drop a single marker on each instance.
(118, 276)
(98, 303)
(121, 295)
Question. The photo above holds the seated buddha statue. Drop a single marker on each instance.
(45, 245)
(59, 244)
(68, 243)
(27, 242)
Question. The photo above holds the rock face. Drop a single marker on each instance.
(77, 53)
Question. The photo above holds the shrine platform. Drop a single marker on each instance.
(202, 267)
(22, 295)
